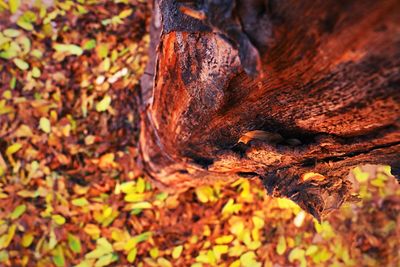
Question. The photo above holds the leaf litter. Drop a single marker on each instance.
(72, 194)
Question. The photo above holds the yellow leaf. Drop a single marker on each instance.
(21, 64)
(27, 240)
(107, 161)
(140, 205)
(312, 176)
(237, 228)
(262, 136)
(92, 230)
(105, 260)
(225, 239)
(18, 211)
(296, 254)
(230, 207)
(102, 50)
(23, 131)
(134, 197)
(13, 149)
(10, 32)
(163, 262)
(140, 185)
(177, 251)
(6, 239)
(107, 212)
(58, 219)
(360, 175)
(311, 250)
(130, 244)
(103, 247)
(219, 250)
(125, 13)
(45, 125)
(204, 193)
(36, 72)
(14, 5)
(258, 222)
(128, 187)
(132, 255)
(154, 252)
(236, 263)
(103, 104)
(248, 259)
(68, 49)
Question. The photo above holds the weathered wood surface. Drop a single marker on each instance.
(328, 85)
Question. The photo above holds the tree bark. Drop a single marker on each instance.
(272, 89)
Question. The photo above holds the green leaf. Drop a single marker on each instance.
(37, 53)
(74, 243)
(89, 45)
(11, 32)
(103, 247)
(136, 239)
(281, 246)
(105, 260)
(18, 211)
(45, 125)
(85, 263)
(58, 257)
(21, 64)
(69, 49)
(9, 53)
(24, 24)
(80, 202)
(103, 104)
(162, 196)
(14, 5)
(141, 205)
(3, 256)
(13, 82)
(102, 50)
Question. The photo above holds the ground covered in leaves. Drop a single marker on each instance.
(70, 191)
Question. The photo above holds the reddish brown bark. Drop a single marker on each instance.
(328, 87)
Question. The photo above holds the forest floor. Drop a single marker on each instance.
(69, 191)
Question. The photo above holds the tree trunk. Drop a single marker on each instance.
(272, 89)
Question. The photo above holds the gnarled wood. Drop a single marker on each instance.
(329, 86)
